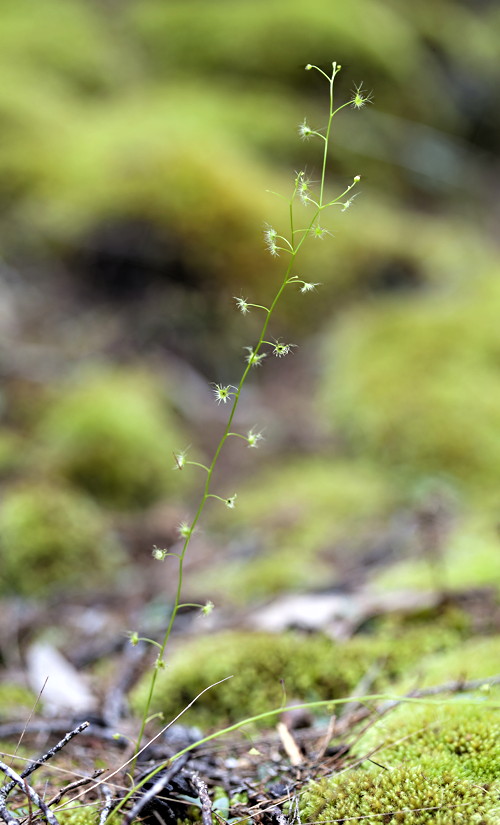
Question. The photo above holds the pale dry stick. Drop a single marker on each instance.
(30, 792)
(7, 816)
(107, 805)
(30, 716)
(206, 804)
(78, 783)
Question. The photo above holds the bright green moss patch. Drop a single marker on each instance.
(460, 735)
(404, 795)
(53, 538)
(112, 435)
(311, 668)
(416, 385)
(15, 701)
(475, 658)
(438, 762)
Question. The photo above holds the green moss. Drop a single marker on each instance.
(415, 385)
(295, 515)
(406, 795)
(86, 814)
(53, 538)
(11, 451)
(311, 667)
(441, 763)
(475, 658)
(112, 435)
(15, 700)
(456, 736)
(470, 557)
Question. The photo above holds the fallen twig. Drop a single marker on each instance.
(31, 793)
(45, 757)
(107, 805)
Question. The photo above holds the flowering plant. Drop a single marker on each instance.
(289, 245)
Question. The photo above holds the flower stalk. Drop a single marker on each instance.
(276, 243)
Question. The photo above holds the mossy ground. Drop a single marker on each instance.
(289, 521)
(262, 666)
(111, 433)
(54, 538)
(437, 762)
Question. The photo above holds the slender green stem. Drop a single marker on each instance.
(293, 249)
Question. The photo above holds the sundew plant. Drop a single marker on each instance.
(286, 244)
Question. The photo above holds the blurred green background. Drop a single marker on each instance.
(138, 139)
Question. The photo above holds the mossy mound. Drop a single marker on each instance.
(415, 385)
(113, 435)
(442, 765)
(475, 658)
(15, 700)
(288, 522)
(311, 668)
(53, 538)
(460, 735)
(406, 795)
(470, 557)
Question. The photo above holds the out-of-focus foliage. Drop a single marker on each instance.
(289, 519)
(112, 435)
(178, 113)
(53, 539)
(311, 667)
(138, 142)
(416, 386)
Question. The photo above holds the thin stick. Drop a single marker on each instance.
(46, 756)
(78, 783)
(6, 816)
(206, 804)
(31, 793)
(107, 805)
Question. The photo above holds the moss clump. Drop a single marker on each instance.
(296, 525)
(470, 557)
(53, 538)
(112, 436)
(311, 667)
(86, 814)
(416, 385)
(404, 795)
(461, 736)
(472, 659)
(442, 765)
(15, 700)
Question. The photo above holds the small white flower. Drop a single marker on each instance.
(180, 460)
(270, 237)
(360, 98)
(231, 501)
(254, 358)
(223, 393)
(320, 232)
(280, 349)
(253, 438)
(159, 554)
(304, 130)
(184, 530)
(348, 203)
(207, 608)
(242, 305)
(308, 287)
